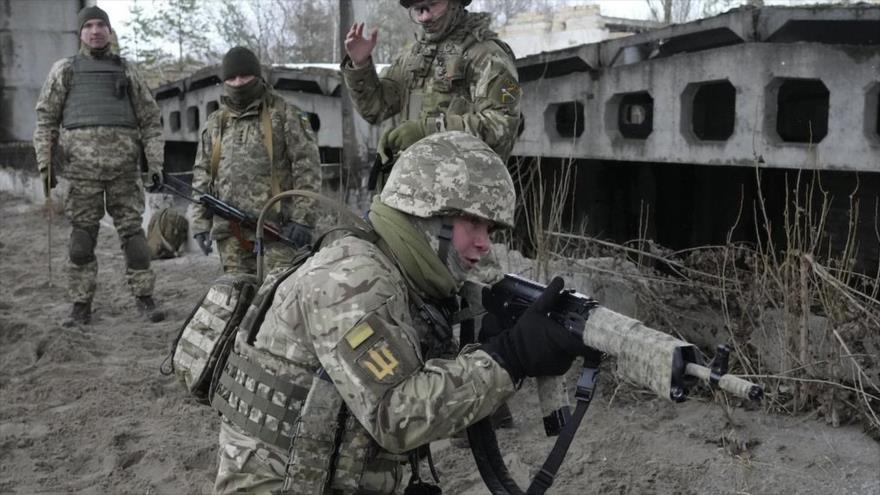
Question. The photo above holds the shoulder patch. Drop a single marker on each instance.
(357, 335)
(380, 361)
(378, 353)
(510, 90)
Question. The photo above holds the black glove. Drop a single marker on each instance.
(204, 240)
(49, 180)
(490, 326)
(537, 345)
(300, 234)
(156, 181)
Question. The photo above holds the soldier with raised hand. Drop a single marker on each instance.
(354, 367)
(252, 148)
(96, 116)
(458, 75)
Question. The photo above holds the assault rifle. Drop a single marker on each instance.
(658, 361)
(236, 217)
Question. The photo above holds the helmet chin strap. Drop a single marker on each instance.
(445, 237)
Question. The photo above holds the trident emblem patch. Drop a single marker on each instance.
(379, 361)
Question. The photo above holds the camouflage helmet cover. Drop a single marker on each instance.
(409, 3)
(451, 173)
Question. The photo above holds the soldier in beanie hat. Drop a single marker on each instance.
(97, 108)
(94, 12)
(253, 147)
(240, 61)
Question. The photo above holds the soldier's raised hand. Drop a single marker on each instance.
(359, 48)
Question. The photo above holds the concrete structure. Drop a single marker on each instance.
(32, 40)
(679, 134)
(530, 33)
(33, 35)
(779, 86)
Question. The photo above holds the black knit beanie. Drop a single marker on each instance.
(90, 13)
(239, 61)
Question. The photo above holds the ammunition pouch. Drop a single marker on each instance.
(206, 336)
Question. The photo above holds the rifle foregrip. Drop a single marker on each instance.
(729, 383)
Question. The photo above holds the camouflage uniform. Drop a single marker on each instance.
(466, 82)
(244, 177)
(355, 312)
(102, 165)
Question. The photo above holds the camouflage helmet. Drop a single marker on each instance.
(451, 173)
(409, 3)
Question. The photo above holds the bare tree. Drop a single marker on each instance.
(314, 25)
(678, 11)
(396, 30)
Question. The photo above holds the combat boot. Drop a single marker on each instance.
(147, 307)
(81, 314)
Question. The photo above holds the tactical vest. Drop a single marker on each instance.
(300, 411)
(438, 75)
(98, 95)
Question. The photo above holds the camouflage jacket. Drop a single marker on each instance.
(244, 175)
(347, 310)
(100, 152)
(465, 82)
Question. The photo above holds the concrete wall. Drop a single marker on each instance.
(33, 35)
(574, 99)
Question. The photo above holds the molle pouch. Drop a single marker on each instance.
(204, 337)
(448, 74)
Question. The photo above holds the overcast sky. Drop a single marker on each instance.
(634, 9)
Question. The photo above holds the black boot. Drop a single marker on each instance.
(147, 307)
(81, 314)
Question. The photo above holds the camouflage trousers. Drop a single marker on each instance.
(123, 200)
(236, 259)
(246, 465)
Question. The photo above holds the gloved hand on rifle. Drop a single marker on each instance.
(300, 234)
(154, 178)
(536, 345)
(204, 240)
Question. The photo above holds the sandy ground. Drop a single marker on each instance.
(86, 410)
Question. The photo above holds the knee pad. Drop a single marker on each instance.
(137, 254)
(82, 245)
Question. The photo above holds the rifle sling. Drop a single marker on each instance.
(584, 395)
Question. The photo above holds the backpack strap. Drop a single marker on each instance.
(266, 127)
(215, 148)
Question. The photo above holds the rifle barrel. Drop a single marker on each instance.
(729, 383)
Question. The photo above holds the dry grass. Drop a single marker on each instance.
(799, 319)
